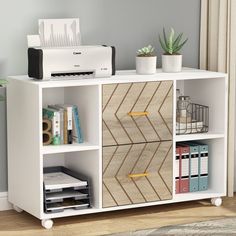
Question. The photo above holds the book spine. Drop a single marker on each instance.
(194, 169)
(203, 167)
(177, 170)
(69, 125)
(78, 126)
(75, 131)
(61, 111)
(184, 177)
(65, 127)
(62, 125)
(56, 128)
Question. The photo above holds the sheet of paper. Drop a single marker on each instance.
(59, 180)
(59, 32)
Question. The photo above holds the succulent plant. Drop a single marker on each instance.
(3, 82)
(171, 44)
(146, 51)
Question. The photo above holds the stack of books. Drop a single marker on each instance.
(64, 189)
(65, 121)
(191, 167)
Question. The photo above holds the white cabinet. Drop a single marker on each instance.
(27, 156)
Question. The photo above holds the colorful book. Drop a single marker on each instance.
(61, 111)
(54, 116)
(77, 133)
(69, 118)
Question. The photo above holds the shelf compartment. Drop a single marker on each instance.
(85, 163)
(88, 101)
(75, 147)
(212, 93)
(217, 166)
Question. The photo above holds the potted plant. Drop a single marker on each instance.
(171, 59)
(146, 61)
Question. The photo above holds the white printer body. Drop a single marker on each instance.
(46, 63)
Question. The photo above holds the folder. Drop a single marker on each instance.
(193, 167)
(177, 170)
(203, 166)
(184, 168)
(203, 177)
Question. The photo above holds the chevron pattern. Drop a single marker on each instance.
(154, 159)
(155, 98)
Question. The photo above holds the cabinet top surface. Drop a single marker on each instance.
(123, 76)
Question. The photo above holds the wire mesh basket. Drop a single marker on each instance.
(194, 120)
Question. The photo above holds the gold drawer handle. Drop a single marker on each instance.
(138, 175)
(144, 113)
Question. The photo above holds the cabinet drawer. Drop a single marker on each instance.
(137, 112)
(137, 173)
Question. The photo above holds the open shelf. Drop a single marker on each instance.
(75, 147)
(87, 99)
(200, 136)
(86, 163)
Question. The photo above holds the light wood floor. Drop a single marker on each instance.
(12, 223)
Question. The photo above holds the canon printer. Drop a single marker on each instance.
(95, 61)
(57, 52)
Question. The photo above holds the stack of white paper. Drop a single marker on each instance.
(59, 32)
(59, 180)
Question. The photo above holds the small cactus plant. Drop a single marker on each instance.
(172, 45)
(146, 51)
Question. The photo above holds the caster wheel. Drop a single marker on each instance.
(47, 224)
(217, 201)
(16, 208)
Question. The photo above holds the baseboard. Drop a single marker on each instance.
(4, 204)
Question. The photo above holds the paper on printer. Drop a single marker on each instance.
(59, 32)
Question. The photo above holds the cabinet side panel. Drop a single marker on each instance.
(24, 132)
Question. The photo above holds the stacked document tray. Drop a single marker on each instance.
(191, 173)
(65, 189)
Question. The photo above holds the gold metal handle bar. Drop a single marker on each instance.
(138, 175)
(144, 113)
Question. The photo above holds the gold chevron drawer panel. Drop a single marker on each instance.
(137, 112)
(137, 173)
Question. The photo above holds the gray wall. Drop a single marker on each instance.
(126, 24)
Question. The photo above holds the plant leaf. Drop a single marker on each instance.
(180, 46)
(163, 45)
(3, 81)
(164, 36)
(177, 40)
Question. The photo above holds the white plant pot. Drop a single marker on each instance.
(171, 63)
(146, 65)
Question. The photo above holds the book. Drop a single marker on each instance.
(61, 111)
(68, 116)
(54, 116)
(77, 132)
